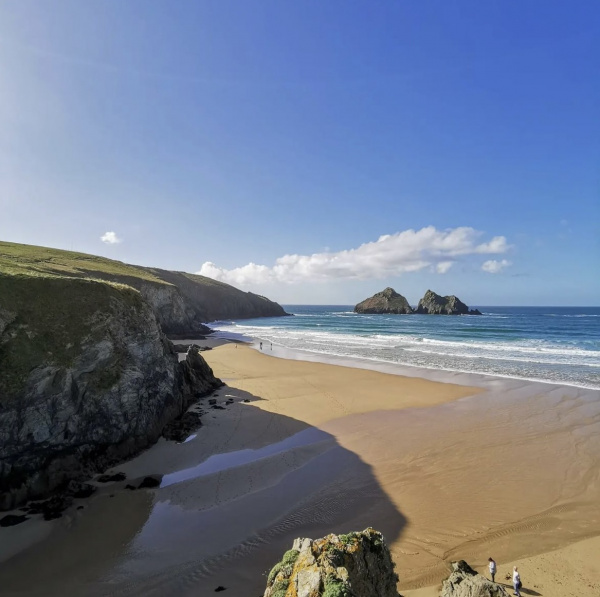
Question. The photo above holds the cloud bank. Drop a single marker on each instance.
(493, 267)
(390, 255)
(110, 238)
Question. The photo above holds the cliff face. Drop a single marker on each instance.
(386, 301)
(204, 299)
(87, 377)
(335, 566)
(434, 304)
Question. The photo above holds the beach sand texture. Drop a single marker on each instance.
(446, 471)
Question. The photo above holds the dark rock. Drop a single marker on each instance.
(130, 487)
(179, 429)
(218, 407)
(149, 482)
(219, 589)
(111, 478)
(181, 347)
(10, 520)
(229, 401)
(245, 400)
(80, 490)
(387, 301)
(212, 401)
(80, 507)
(434, 304)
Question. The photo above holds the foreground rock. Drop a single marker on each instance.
(335, 566)
(434, 304)
(87, 379)
(465, 582)
(386, 301)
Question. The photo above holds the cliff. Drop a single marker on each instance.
(87, 377)
(335, 566)
(180, 301)
(434, 304)
(386, 301)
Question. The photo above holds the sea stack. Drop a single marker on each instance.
(386, 301)
(434, 304)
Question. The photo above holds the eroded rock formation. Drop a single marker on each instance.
(434, 304)
(335, 566)
(386, 301)
(465, 582)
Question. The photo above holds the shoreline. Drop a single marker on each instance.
(437, 465)
(477, 379)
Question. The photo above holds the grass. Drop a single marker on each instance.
(49, 318)
(32, 261)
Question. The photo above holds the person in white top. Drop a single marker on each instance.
(492, 567)
(516, 581)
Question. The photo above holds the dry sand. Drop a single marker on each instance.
(446, 471)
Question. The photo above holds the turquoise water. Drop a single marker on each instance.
(554, 344)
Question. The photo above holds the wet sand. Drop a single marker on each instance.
(481, 466)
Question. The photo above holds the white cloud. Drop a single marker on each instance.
(443, 266)
(493, 267)
(389, 255)
(110, 238)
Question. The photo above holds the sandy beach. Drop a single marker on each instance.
(462, 467)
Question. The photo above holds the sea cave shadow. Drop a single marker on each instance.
(226, 521)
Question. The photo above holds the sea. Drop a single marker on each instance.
(551, 344)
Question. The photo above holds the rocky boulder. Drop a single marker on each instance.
(335, 566)
(465, 582)
(386, 301)
(434, 304)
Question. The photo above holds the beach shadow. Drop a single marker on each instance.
(226, 520)
(510, 590)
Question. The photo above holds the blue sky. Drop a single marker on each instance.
(312, 151)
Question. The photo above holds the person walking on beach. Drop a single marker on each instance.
(261, 345)
(492, 567)
(517, 582)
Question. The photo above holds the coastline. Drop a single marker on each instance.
(460, 466)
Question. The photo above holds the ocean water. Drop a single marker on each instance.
(553, 344)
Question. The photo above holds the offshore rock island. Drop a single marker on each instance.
(389, 302)
(88, 375)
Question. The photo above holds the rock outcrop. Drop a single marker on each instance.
(434, 304)
(386, 301)
(465, 582)
(335, 566)
(87, 378)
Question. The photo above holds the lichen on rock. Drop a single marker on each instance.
(335, 566)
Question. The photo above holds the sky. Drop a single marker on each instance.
(313, 151)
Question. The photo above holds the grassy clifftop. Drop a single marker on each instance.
(29, 260)
(180, 300)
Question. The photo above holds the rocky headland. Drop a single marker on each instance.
(88, 376)
(388, 301)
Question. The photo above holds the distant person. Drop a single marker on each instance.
(492, 567)
(261, 345)
(271, 345)
(517, 582)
